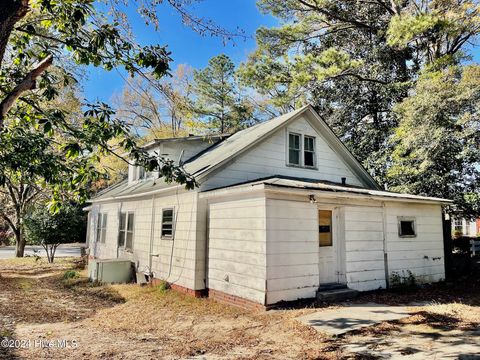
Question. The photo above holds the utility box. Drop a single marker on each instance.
(110, 271)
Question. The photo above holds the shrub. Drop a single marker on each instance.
(71, 274)
(403, 281)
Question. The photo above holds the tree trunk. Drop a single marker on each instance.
(20, 244)
(11, 12)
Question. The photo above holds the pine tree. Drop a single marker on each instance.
(218, 100)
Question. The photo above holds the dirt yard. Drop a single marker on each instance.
(45, 315)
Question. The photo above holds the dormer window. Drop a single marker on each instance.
(301, 150)
(141, 173)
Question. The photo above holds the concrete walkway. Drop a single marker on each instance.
(342, 320)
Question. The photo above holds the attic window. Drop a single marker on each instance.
(294, 149)
(309, 151)
(301, 150)
(406, 227)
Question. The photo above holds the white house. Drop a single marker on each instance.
(465, 227)
(282, 209)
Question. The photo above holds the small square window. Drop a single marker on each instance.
(406, 227)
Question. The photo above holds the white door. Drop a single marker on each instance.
(330, 246)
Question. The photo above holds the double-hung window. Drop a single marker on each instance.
(309, 151)
(301, 150)
(294, 149)
(167, 223)
(125, 233)
(101, 227)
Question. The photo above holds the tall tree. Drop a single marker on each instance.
(436, 146)
(41, 44)
(356, 60)
(218, 101)
(157, 108)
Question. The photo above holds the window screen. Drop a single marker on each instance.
(309, 151)
(325, 227)
(294, 149)
(167, 223)
(406, 227)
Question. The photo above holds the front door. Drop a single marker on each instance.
(330, 246)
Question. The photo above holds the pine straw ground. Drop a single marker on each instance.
(133, 322)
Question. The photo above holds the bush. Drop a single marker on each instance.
(403, 281)
(71, 274)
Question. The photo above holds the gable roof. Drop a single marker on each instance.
(222, 152)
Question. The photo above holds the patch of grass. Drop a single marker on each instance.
(25, 284)
(6, 333)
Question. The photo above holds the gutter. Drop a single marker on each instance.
(138, 195)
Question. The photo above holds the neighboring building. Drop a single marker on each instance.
(282, 209)
(465, 227)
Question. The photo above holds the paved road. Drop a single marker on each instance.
(8, 252)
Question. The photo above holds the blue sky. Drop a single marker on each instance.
(187, 47)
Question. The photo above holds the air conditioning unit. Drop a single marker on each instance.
(112, 271)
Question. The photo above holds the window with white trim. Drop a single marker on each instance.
(101, 227)
(167, 223)
(406, 227)
(301, 150)
(309, 151)
(125, 231)
(294, 149)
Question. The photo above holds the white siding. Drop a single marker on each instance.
(269, 158)
(177, 260)
(173, 150)
(422, 255)
(364, 254)
(237, 248)
(292, 250)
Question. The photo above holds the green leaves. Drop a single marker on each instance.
(436, 149)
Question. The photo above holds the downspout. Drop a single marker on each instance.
(385, 250)
(152, 235)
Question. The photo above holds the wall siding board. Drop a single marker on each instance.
(235, 266)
